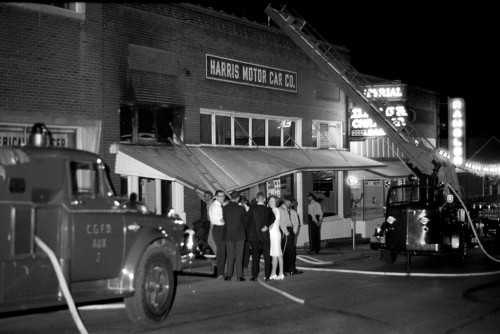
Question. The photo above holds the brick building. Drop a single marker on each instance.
(178, 99)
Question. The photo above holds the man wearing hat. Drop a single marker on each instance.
(315, 215)
(289, 227)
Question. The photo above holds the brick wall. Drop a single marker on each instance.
(49, 64)
(70, 68)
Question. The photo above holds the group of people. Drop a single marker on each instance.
(266, 226)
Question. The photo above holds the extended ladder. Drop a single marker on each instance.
(419, 154)
(207, 176)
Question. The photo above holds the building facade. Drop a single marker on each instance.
(179, 99)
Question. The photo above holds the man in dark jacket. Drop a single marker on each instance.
(260, 217)
(234, 236)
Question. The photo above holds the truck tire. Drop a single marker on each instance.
(154, 286)
(389, 256)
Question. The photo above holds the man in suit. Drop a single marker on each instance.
(260, 217)
(234, 236)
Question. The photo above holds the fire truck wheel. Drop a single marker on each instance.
(154, 286)
(389, 256)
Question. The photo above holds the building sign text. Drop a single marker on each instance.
(235, 71)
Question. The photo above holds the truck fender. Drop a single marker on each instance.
(147, 237)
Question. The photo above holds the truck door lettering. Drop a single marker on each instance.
(99, 243)
(99, 229)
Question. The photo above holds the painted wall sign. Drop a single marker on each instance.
(17, 135)
(235, 71)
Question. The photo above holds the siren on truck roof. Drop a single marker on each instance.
(40, 136)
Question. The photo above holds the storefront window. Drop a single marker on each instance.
(222, 130)
(280, 186)
(325, 189)
(241, 131)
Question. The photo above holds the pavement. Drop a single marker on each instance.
(341, 252)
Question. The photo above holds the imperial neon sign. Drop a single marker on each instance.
(390, 92)
(456, 130)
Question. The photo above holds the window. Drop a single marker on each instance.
(259, 131)
(222, 130)
(239, 130)
(206, 129)
(325, 185)
(153, 123)
(326, 134)
(84, 179)
(274, 133)
(289, 134)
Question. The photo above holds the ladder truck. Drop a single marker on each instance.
(426, 216)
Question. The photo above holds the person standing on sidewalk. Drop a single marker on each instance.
(217, 226)
(294, 217)
(275, 237)
(315, 219)
(289, 230)
(234, 236)
(259, 219)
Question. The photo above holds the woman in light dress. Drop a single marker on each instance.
(275, 236)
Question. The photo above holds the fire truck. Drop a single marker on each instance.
(65, 238)
(426, 215)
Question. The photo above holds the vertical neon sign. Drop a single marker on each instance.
(456, 130)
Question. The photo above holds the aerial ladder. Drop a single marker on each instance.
(417, 152)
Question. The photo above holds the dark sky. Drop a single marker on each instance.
(450, 49)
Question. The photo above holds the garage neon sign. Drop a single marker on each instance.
(456, 130)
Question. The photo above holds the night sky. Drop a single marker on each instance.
(448, 49)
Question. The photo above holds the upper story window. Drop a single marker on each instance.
(224, 128)
(69, 9)
(326, 134)
(151, 124)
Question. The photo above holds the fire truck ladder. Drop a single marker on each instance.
(418, 152)
(207, 176)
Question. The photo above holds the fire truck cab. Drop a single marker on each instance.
(63, 199)
(422, 220)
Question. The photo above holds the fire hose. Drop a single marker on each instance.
(63, 285)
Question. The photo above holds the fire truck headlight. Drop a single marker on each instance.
(424, 220)
(391, 219)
